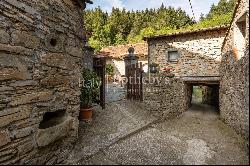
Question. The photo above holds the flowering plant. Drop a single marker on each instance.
(168, 69)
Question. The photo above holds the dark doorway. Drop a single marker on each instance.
(205, 94)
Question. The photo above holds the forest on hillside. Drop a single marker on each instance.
(122, 26)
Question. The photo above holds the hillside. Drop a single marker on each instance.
(123, 27)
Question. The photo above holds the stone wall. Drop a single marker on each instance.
(88, 58)
(234, 86)
(200, 52)
(210, 95)
(168, 97)
(230, 40)
(119, 66)
(40, 62)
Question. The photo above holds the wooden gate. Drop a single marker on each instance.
(99, 66)
(134, 82)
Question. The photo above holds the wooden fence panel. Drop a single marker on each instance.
(134, 84)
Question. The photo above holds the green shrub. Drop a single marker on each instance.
(90, 88)
(110, 69)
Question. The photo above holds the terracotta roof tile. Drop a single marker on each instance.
(120, 51)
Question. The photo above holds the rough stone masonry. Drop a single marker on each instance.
(234, 71)
(199, 51)
(166, 97)
(40, 62)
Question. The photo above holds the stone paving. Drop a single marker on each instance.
(118, 121)
(196, 137)
(114, 92)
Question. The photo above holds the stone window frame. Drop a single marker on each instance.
(239, 19)
(173, 50)
(242, 18)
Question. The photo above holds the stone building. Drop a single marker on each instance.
(216, 58)
(115, 56)
(40, 63)
(234, 71)
(191, 53)
(195, 57)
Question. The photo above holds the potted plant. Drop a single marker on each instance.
(89, 88)
(153, 67)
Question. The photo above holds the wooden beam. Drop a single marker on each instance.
(201, 79)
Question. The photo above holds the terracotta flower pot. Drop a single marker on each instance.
(86, 114)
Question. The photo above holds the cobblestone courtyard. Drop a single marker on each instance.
(125, 134)
(69, 70)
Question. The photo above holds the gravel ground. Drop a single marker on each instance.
(116, 122)
(197, 137)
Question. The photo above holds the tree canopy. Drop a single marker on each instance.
(122, 26)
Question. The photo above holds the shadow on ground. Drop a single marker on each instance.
(118, 121)
(126, 134)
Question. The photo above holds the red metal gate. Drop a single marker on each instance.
(134, 82)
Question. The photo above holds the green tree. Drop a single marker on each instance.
(122, 26)
(223, 7)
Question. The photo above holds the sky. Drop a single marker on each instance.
(199, 6)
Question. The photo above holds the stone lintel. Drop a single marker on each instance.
(202, 79)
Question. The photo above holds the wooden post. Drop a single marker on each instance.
(103, 89)
(133, 81)
(136, 81)
(141, 83)
(134, 84)
(99, 65)
(128, 83)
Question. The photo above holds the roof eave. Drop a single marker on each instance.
(187, 32)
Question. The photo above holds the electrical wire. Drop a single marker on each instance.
(192, 9)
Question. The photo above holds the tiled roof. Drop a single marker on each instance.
(102, 54)
(188, 32)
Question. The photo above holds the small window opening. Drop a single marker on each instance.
(173, 56)
(51, 119)
(53, 42)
